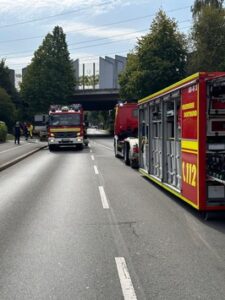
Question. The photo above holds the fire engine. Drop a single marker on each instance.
(66, 126)
(182, 140)
(125, 133)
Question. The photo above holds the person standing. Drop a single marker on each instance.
(17, 132)
(30, 129)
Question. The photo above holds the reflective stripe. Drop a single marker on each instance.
(64, 129)
(189, 145)
(189, 151)
(171, 87)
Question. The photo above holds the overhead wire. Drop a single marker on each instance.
(102, 26)
(90, 57)
(87, 41)
(29, 56)
(90, 41)
(54, 16)
(90, 28)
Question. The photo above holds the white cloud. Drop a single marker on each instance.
(42, 8)
(87, 30)
(18, 62)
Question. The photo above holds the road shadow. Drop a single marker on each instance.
(86, 149)
(215, 220)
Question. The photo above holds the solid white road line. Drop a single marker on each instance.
(125, 280)
(96, 170)
(111, 149)
(105, 203)
(92, 157)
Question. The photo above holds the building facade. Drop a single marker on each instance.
(109, 70)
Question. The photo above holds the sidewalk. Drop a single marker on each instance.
(11, 153)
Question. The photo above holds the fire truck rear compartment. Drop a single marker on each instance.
(159, 124)
(215, 148)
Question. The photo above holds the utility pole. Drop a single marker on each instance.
(83, 76)
(94, 76)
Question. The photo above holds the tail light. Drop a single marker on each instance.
(135, 149)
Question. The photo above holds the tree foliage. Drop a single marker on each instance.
(159, 59)
(49, 78)
(7, 108)
(199, 5)
(89, 81)
(130, 78)
(3, 132)
(8, 96)
(6, 83)
(208, 36)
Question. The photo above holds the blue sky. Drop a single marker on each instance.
(93, 27)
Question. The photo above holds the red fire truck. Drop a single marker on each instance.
(125, 133)
(66, 126)
(182, 140)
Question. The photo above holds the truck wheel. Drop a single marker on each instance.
(115, 150)
(51, 148)
(126, 154)
(133, 164)
(80, 147)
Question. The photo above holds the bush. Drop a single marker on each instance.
(3, 131)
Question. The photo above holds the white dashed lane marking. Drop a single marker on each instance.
(96, 170)
(125, 280)
(105, 203)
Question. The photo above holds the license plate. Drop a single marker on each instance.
(65, 140)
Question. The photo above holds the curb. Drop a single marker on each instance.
(16, 160)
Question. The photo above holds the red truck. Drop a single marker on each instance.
(66, 126)
(182, 133)
(126, 133)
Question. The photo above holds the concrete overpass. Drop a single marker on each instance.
(98, 99)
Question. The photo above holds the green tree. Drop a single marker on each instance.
(158, 60)
(88, 81)
(49, 79)
(208, 40)
(129, 78)
(7, 108)
(99, 118)
(200, 4)
(3, 132)
(6, 83)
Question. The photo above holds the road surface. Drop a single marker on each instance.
(10, 151)
(82, 225)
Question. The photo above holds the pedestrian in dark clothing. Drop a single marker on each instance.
(25, 131)
(17, 132)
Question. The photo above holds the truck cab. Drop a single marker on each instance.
(126, 133)
(66, 127)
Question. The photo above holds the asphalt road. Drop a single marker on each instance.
(82, 225)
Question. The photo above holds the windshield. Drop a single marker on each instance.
(64, 120)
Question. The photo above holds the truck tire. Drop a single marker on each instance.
(115, 150)
(127, 154)
(51, 148)
(80, 147)
(133, 164)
